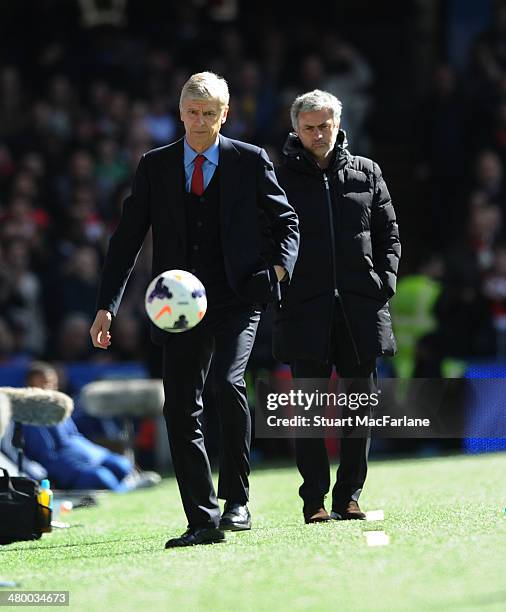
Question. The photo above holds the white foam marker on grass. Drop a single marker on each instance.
(375, 515)
(377, 538)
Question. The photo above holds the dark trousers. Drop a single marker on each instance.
(225, 337)
(311, 453)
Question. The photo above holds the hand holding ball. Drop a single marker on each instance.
(176, 301)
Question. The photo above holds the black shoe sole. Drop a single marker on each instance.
(236, 527)
(338, 517)
(202, 542)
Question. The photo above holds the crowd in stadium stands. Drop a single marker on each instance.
(72, 131)
(461, 171)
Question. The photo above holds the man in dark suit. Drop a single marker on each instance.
(216, 210)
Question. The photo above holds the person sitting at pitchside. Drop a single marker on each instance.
(71, 460)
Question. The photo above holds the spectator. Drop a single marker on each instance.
(489, 177)
(413, 311)
(20, 221)
(72, 339)
(441, 154)
(160, 123)
(81, 170)
(71, 460)
(6, 343)
(494, 289)
(349, 78)
(27, 315)
(465, 326)
(79, 282)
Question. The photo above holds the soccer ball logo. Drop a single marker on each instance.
(176, 301)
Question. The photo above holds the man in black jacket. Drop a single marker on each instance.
(335, 311)
(211, 203)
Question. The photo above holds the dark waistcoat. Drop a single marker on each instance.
(205, 254)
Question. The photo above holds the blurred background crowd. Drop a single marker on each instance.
(87, 86)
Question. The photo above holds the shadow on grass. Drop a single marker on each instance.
(57, 546)
(478, 601)
(110, 555)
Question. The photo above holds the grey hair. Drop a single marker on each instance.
(315, 100)
(205, 86)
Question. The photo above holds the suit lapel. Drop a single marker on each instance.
(229, 181)
(174, 180)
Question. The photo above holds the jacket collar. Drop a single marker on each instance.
(299, 158)
(212, 153)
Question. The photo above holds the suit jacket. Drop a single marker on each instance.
(258, 226)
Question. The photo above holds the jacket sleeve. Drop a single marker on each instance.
(40, 443)
(386, 246)
(125, 243)
(281, 216)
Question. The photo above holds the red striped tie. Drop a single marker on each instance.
(197, 186)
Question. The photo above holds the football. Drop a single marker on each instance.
(176, 301)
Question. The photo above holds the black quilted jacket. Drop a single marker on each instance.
(349, 251)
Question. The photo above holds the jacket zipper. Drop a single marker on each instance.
(334, 275)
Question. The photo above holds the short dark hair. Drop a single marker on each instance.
(39, 367)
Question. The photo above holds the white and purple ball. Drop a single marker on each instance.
(176, 301)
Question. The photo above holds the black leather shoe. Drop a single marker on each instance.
(202, 535)
(235, 517)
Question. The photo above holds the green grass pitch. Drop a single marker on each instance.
(445, 518)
